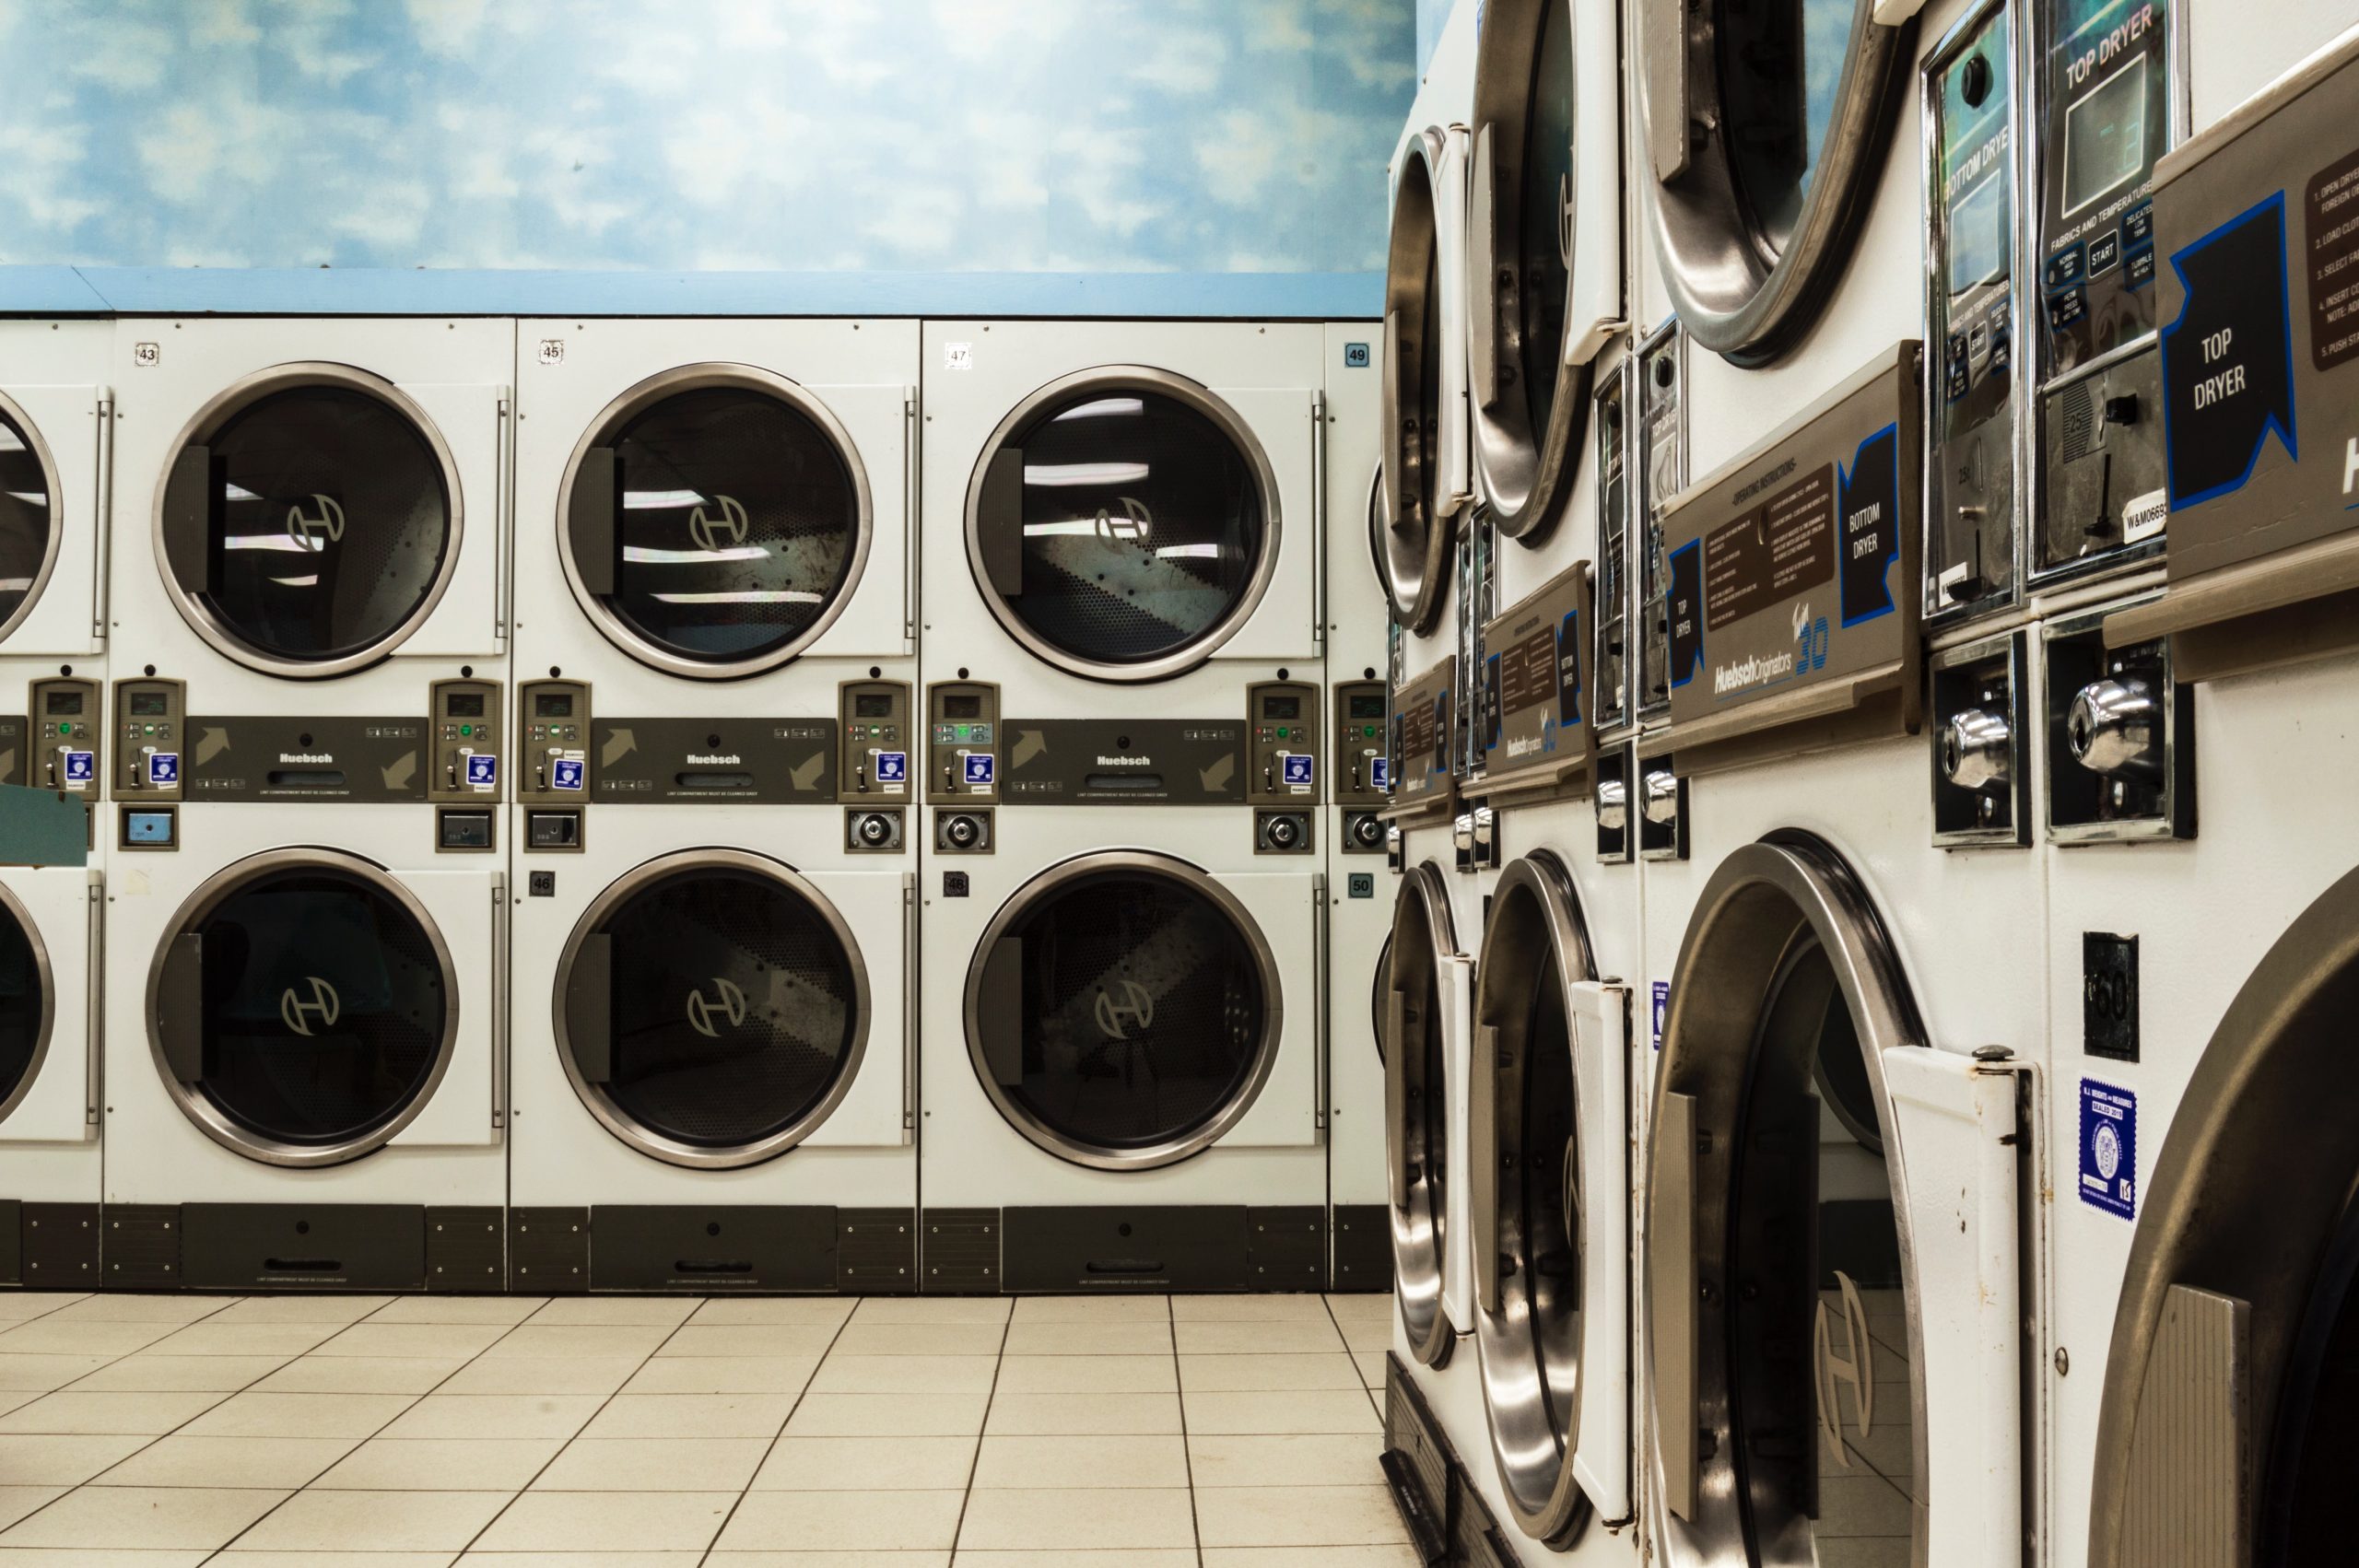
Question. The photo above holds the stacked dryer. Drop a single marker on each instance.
(1122, 754)
(54, 432)
(307, 953)
(714, 948)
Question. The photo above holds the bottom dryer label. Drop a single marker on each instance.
(2110, 1147)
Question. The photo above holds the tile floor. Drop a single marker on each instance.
(418, 1432)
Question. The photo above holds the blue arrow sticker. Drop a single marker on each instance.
(1869, 491)
(567, 774)
(892, 767)
(163, 769)
(2110, 1147)
(1686, 612)
(2228, 360)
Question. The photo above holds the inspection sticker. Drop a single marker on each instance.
(2110, 1147)
(1661, 1006)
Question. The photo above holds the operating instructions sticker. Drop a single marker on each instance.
(1536, 649)
(1795, 565)
(2110, 1147)
(2260, 306)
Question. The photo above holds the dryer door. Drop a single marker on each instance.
(1124, 1011)
(1790, 1397)
(1549, 1171)
(1768, 126)
(48, 922)
(718, 520)
(713, 1007)
(304, 1006)
(1423, 414)
(1544, 241)
(50, 471)
(1421, 1031)
(311, 521)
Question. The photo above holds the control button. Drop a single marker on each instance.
(553, 830)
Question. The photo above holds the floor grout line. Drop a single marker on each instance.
(1187, 1459)
(975, 1460)
(747, 1489)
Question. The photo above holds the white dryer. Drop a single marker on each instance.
(1123, 1000)
(304, 1073)
(54, 445)
(713, 959)
(2201, 949)
(1118, 504)
(712, 512)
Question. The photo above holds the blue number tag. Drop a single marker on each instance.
(483, 772)
(892, 767)
(567, 774)
(81, 767)
(1295, 769)
(979, 768)
(163, 768)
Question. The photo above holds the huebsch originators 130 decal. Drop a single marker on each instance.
(1421, 731)
(1793, 569)
(1534, 684)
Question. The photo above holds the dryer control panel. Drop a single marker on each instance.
(66, 716)
(1361, 774)
(466, 743)
(553, 736)
(1282, 743)
(962, 742)
(873, 762)
(150, 730)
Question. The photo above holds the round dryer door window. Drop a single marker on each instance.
(29, 534)
(1123, 1010)
(1122, 523)
(716, 521)
(712, 1009)
(310, 522)
(26, 1005)
(303, 1007)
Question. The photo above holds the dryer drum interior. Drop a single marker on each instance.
(28, 501)
(28, 1003)
(715, 520)
(309, 521)
(1529, 409)
(1414, 537)
(303, 1007)
(1122, 1011)
(2226, 1431)
(1124, 521)
(1528, 1201)
(1780, 1332)
(1768, 126)
(712, 1009)
(1416, 1108)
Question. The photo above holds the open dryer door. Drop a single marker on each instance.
(1425, 480)
(1783, 1282)
(1425, 1006)
(1549, 1173)
(1543, 246)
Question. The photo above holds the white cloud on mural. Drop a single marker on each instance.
(701, 134)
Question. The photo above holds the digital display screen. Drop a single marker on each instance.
(962, 706)
(1369, 704)
(463, 704)
(1281, 708)
(872, 705)
(67, 703)
(553, 705)
(2104, 136)
(150, 705)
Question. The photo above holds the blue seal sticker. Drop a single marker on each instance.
(566, 773)
(483, 771)
(1295, 769)
(2110, 1147)
(1379, 775)
(979, 768)
(163, 769)
(1661, 1007)
(81, 767)
(892, 767)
